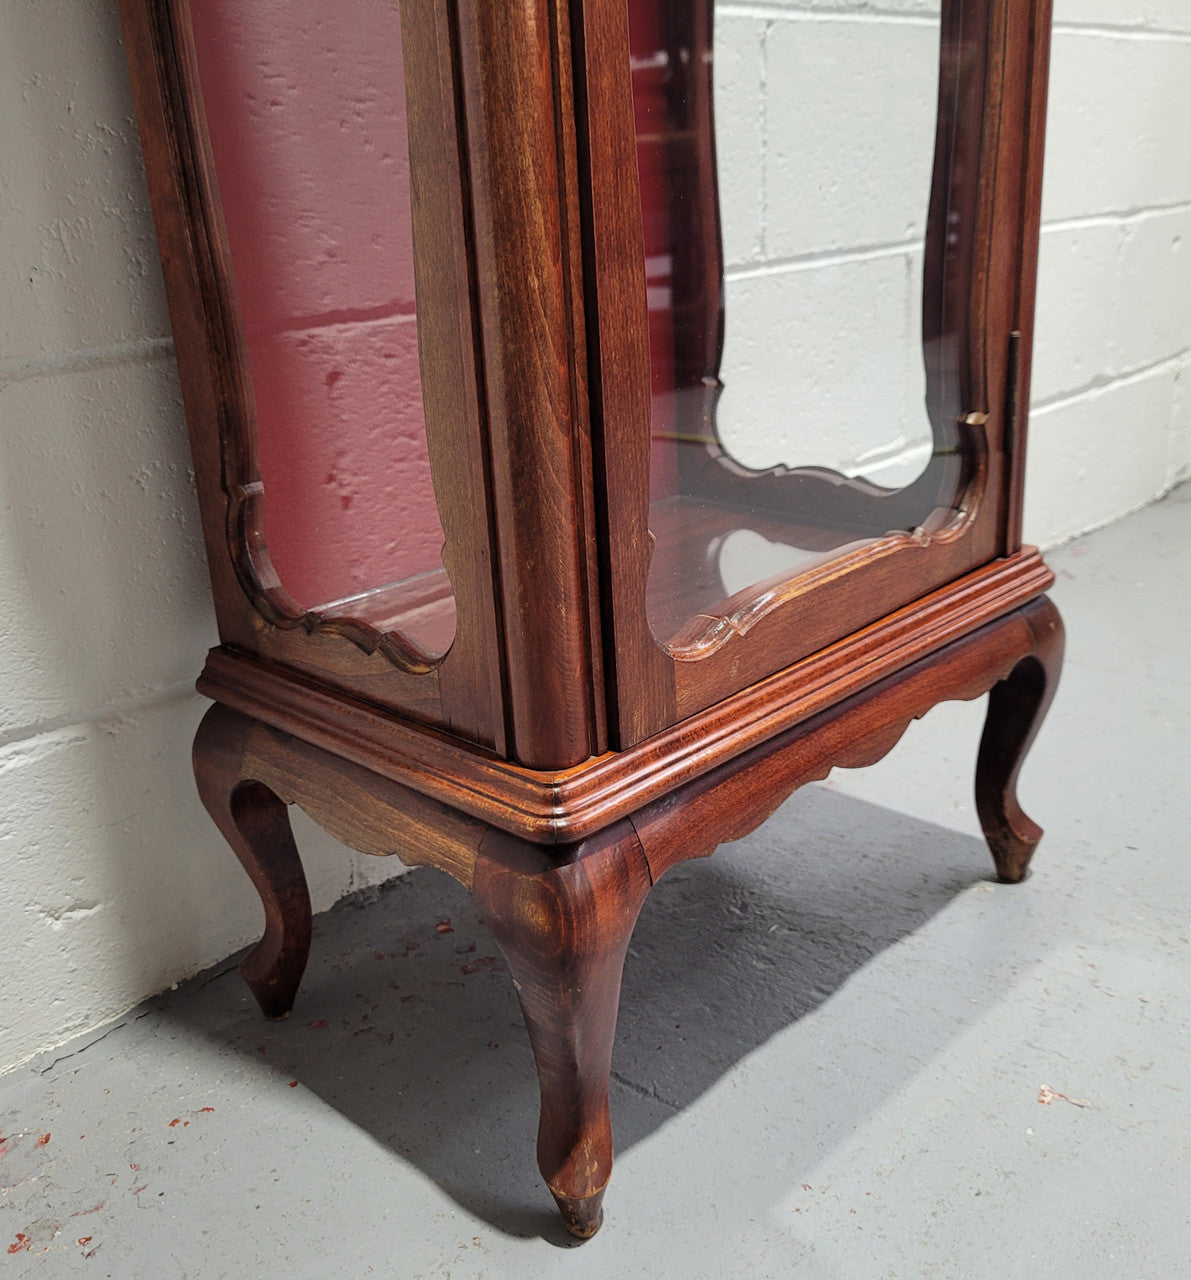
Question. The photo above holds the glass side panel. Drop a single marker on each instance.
(793, 419)
(306, 112)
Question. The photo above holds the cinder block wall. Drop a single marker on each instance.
(825, 130)
(114, 882)
(1111, 423)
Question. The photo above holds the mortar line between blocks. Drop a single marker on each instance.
(823, 258)
(1116, 217)
(783, 13)
(1104, 30)
(138, 351)
(102, 715)
(1175, 362)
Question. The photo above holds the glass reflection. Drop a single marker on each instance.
(795, 416)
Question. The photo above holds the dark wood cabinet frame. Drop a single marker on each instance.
(559, 759)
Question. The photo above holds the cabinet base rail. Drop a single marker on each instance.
(563, 914)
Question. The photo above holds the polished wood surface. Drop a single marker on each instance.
(563, 919)
(526, 238)
(255, 822)
(673, 53)
(736, 797)
(538, 381)
(464, 690)
(1017, 705)
(557, 806)
(563, 914)
(559, 759)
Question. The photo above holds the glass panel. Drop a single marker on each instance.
(306, 112)
(794, 420)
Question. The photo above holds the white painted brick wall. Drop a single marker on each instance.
(115, 882)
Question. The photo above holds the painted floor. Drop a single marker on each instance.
(843, 1053)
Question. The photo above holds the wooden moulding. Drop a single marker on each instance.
(363, 811)
(563, 913)
(463, 691)
(738, 796)
(566, 805)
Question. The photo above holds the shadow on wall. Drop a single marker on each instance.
(116, 882)
(106, 612)
(408, 1025)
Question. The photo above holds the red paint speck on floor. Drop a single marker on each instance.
(45, 1137)
(23, 1242)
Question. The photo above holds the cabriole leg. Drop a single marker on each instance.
(563, 918)
(256, 825)
(1017, 706)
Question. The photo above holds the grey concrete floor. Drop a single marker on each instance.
(844, 1052)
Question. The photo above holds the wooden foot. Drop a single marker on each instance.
(563, 916)
(1017, 706)
(256, 825)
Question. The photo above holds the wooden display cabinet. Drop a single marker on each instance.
(497, 591)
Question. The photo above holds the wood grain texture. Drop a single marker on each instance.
(537, 166)
(463, 690)
(362, 809)
(563, 915)
(247, 773)
(470, 680)
(254, 822)
(493, 763)
(560, 806)
(563, 920)
(526, 238)
(733, 799)
(639, 679)
(1033, 37)
(978, 290)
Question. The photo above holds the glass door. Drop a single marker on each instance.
(829, 239)
(804, 397)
